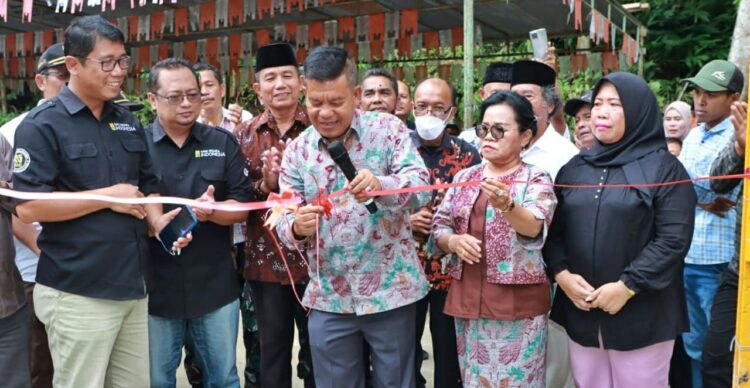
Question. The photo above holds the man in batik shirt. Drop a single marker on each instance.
(444, 155)
(269, 300)
(366, 280)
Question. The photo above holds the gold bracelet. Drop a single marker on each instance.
(631, 292)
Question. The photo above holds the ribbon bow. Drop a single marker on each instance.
(274, 214)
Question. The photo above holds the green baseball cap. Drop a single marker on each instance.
(718, 76)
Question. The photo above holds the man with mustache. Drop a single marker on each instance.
(194, 294)
(268, 297)
(379, 91)
(444, 156)
(580, 109)
(212, 95)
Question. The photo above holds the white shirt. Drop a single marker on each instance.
(550, 152)
(469, 135)
(9, 129)
(226, 123)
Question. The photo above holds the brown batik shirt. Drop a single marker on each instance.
(263, 262)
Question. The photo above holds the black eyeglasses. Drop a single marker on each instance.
(109, 64)
(176, 99)
(441, 112)
(497, 131)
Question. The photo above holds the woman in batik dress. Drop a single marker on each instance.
(500, 294)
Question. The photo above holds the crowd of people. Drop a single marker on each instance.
(549, 264)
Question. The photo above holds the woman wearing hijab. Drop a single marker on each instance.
(499, 294)
(677, 120)
(617, 252)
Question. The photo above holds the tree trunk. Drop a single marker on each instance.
(740, 49)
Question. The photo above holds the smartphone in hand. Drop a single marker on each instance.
(184, 223)
(539, 43)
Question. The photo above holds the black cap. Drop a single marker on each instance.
(127, 104)
(498, 72)
(574, 104)
(532, 72)
(275, 55)
(53, 56)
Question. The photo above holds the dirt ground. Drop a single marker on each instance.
(428, 366)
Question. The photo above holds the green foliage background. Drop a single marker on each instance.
(682, 36)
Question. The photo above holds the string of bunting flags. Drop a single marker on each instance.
(369, 38)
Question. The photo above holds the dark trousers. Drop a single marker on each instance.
(14, 349)
(680, 366)
(41, 360)
(250, 338)
(277, 310)
(718, 355)
(336, 344)
(443, 330)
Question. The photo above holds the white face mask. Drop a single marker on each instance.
(429, 127)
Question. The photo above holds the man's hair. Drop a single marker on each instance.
(551, 98)
(198, 67)
(81, 35)
(520, 105)
(382, 73)
(167, 64)
(328, 63)
(408, 88)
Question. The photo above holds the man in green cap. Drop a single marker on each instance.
(714, 89)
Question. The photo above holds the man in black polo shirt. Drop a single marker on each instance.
(90, 293)
(194, 296)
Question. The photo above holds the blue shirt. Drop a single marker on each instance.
(713, 237)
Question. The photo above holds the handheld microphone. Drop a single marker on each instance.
(341, 158)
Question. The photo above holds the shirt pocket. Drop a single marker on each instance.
(84, 168)
(218, 179)
(129, 170)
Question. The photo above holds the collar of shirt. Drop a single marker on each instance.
(225, 122)
(160, 134)
(545, 143)
(355, 126)
(267, 119)
(445, 143)
(718, 129)
(74, 104)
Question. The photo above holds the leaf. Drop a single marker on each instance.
(370, 282)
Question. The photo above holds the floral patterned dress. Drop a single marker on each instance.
(500, 304)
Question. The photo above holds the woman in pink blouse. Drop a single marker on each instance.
(500, 294)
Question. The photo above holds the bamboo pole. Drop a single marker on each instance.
(742, 345)
(468, 63)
